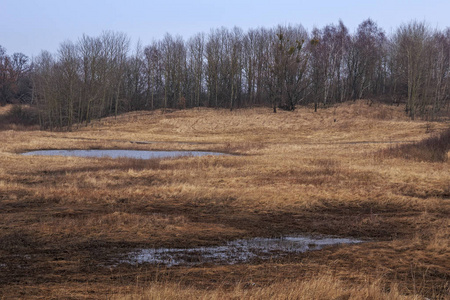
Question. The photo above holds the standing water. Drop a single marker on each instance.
(238, 251)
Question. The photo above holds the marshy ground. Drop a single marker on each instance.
(64, 221)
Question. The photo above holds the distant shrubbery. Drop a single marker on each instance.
(433, 149)
(19, 116)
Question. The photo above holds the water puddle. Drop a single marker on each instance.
(138, 154)
(238, 251)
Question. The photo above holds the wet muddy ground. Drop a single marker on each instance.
(30, 264)
(233, 252)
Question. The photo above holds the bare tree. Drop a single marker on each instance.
(365, 59)
(213, 51)
(5, 78)
(196, 46)
(153, 73)
(329, 50)
(288, 67)
(439, 79)
(14, 78)
(135, 80)
(410, 49)
(235, 63)
(174, 58)
(44, 80)
(70, 68)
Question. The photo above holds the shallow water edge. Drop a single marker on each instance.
(233, 252)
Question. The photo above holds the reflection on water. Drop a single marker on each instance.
(238, 251)
(138, 154)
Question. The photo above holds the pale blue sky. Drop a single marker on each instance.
(35, 25)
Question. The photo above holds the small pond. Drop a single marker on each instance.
(138, 154)
(238, 251)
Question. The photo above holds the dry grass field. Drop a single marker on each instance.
(66, 221)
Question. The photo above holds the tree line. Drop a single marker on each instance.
(280, 67)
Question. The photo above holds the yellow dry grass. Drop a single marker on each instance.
(321, 287)
(291, 173)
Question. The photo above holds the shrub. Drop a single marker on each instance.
(19, 115)
(432, 149)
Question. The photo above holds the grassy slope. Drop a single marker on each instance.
(297, 172)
